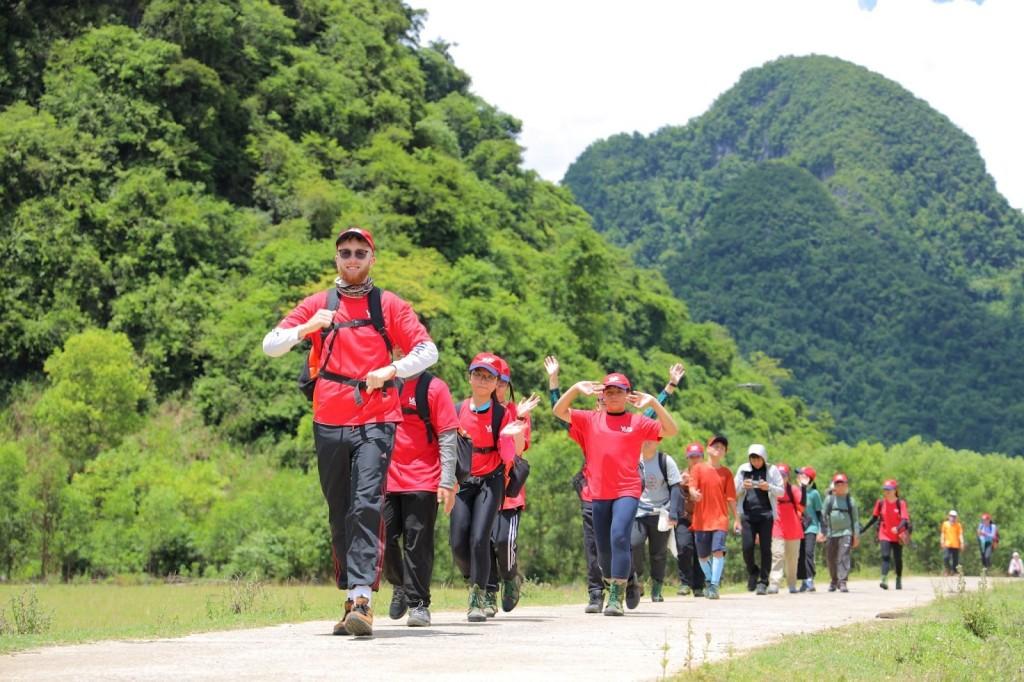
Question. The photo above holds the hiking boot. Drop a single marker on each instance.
(684, 590)
(884, 584)
(656, 591)
(633, 593)
(491, 603)
(899, 582)
(751, 583)
(596, 603)
(698, 592)
(761, 589)
(510, 593)
(773, 589)
(842, 587)
(339, 627)
(419, 616)
(712, 592)
(399, 604)
(832, 587)
(615, 593)
(359, 621)
(476, 605)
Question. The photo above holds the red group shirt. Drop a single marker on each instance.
(356, 352)
(415, 463)
(478, 426)
(611, 447)
(789, 523)
(716, 488)
(892, 515)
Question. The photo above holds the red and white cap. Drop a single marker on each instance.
(695, 449)
(891, 484)
(356, 232)
(840, 478)
(504, 371)
(617, 380)
(488, 361)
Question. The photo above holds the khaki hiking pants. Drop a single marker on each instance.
(785, 553)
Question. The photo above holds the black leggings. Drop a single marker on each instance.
(896, 549)
(758, 528)
(476, 507)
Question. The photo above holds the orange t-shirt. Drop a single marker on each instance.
(951, 533)
(716, 488)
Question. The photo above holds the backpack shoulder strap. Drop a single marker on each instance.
(423, 403)
(377, 316)
(663, 464)
(497, 416)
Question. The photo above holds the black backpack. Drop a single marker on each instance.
(464, 461)
(423, 406)
(314, 368)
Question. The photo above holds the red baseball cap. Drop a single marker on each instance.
(356, 232)
(783, 469)
(618, 380)
(986, 517)
(504, 371)
(694, 449)
(809, 472)
(891, 484)
(840, 478)
(488, 361)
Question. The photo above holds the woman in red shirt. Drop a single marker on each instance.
(893, 519)
(611, 440)
(787, 532)
(480, 496)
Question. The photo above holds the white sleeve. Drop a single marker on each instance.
(421, 357)
(279, 341)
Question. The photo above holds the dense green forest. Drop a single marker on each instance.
(832, 220)
(171, 175)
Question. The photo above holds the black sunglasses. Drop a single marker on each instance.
(360, 254)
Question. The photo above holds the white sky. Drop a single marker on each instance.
(575, 71)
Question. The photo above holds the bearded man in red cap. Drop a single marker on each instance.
(356, 408)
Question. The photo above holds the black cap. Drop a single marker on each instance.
(719, 438)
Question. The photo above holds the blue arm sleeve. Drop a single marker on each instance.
(662, 397)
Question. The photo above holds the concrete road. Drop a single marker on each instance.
(529, 644)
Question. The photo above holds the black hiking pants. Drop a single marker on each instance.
(645, 531)
(687, 562)
(476, 506)
(353, 464)
(504, 550)
(895, 551)
(409, 553)
(759, 528)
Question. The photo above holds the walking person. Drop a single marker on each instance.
(758, 486)
(787, 533)
(611, 440)
(353, 328)
(691, 575)
(951, 537)
(812, 526)
(840, 531)
(421, 477)
(659, 504)
(893, 518)
(988, 540)
(714, 492)
(497, 437)
(505, 535)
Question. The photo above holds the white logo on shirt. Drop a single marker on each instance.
(626, 429)
(488, 429)
(412, 402)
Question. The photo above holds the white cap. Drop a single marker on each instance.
(757, 449)
(952, 512)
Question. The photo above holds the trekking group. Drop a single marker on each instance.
(393, 447)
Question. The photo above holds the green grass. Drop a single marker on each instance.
(934, 642)
(80, 613)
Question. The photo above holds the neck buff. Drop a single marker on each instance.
(353, 290)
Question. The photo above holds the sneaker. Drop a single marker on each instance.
(810, 586)
(656, 591)
(793, 590)
(596, 603)
(614, 607)
(359, 621)
(832, 587)
(419, 616)
(490, 604)
(633, 593)
(399, 604)
(698, 592)
(899, 582)
(773, 589)
(761, 589)
(751, 583)
(712, 592)
(339, 627)
(884, 584)
(476, 605)
(842, 587)
(803, 586)
(684, 590)
(510, 593)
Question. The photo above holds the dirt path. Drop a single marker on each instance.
(530, 644)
